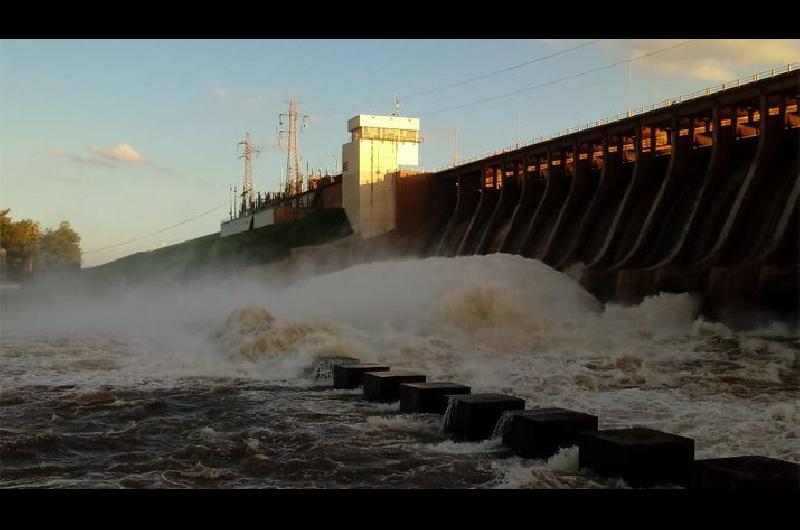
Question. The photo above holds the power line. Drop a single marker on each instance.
(176, 225)
(501, 71)
(562, 79)
(425, 92)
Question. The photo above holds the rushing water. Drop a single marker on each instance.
(210, 385)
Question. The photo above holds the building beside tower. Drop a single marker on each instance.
(381, 150)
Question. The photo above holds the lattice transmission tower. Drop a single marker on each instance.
(248, 186)
(287, 129)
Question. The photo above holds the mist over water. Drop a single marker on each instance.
(208, 384)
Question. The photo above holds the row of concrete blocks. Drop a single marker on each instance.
(643, 457)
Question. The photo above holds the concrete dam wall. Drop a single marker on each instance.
(699, 196)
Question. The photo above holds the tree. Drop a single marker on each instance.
(21, 242)
(24, 250)
(59, 248)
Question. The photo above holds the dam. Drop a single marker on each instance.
(695, 195)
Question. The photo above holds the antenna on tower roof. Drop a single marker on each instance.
(396, 106)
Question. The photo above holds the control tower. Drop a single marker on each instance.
(371, 161)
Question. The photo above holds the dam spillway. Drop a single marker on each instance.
(697, 196)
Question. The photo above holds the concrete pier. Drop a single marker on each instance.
(746, 472)
(428, 397)
(533, 186)
(490, 194)
(467, 200)
(643, 457)
(322, 367)
(560, 169)
(352, 375)
(596, 222)
(473, 417)
(582, 186)
(385, 386)
(540, 433)
(500, 221)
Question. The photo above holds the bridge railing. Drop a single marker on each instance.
(641, 110)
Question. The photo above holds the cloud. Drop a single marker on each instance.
(118, 153)
(91, 161)
(713, 60)
(221, 93)
(225, 96)
(114, 157)
(59, 151)
(83, 160)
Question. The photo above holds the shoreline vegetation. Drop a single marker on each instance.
(27, 251)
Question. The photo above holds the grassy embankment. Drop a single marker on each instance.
(214, 253)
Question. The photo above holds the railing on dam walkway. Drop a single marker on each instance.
(641, 110)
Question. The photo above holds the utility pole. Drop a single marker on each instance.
(248, 153)
(288, 129)
(454, 154)
(629, 88)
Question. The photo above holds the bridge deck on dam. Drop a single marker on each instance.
(699, 196)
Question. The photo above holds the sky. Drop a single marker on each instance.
(126, 139)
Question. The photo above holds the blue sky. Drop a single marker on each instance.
(123, 138)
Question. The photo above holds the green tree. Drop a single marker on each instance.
(59, 248)
(24, 250)
(20, 240)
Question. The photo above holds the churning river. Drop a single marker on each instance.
(212, 384)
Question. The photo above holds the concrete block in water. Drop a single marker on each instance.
(385, 386)
(746, 472)
(322, 367)
(474, 416)
(643, 457)
(352, 376)
(540, 433)
(428, 397)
